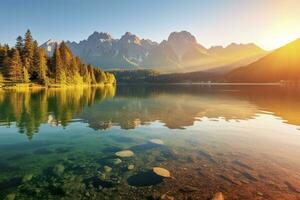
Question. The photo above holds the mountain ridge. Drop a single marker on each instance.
(181, 52)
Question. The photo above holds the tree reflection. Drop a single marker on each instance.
(30, 109)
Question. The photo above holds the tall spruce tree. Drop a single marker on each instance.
(42, 67)
(66, 56)
(20, 44)
(27, 55)
(15, 71)
(34, 68)
(59, 73)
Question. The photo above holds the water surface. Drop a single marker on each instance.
(243, 141)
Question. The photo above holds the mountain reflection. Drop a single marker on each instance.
(177, 106)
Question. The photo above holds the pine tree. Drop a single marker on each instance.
(4, 50)
(33, 70)
(59, 73)
(20, 45)
(42, 66)
(28, 50)
(15, 67)
(66, 56)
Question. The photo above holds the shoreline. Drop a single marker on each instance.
(26, 86)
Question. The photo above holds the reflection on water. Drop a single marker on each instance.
(242, 141)
(29, 109)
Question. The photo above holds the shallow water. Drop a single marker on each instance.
(61, 144)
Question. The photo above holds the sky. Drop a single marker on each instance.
(268, 23)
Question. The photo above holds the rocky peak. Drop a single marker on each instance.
(182, 37)
(99, 36)
(183, 41)
(130, 38)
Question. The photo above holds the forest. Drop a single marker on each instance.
(27, 63)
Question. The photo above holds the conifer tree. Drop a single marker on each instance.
(66, 56)
(34, 68)
(15, 67)
(20, 44)
(28, 50)
(59, 73)
(42, 66)
(4, 50)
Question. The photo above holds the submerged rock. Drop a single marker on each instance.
(117, 161)
(58, 169)
(27, 177)
(124, 153)
(156, 141)
(107, 169)
(166, 197)
(130, 167)
(218, 196)
(161, 172)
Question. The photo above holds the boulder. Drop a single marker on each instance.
(162, 172)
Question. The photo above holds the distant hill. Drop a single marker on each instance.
(281, 64)
(178, 54)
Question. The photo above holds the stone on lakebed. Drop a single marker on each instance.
(124, 153)
(161, 172)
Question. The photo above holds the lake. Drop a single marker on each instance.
(243, 141)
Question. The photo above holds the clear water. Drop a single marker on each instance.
(61, 144)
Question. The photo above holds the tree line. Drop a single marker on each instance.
(26, 62)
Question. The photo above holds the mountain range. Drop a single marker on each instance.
(179, 53)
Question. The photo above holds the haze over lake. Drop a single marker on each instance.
(241, 140)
